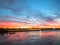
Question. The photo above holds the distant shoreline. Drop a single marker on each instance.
(27, 29)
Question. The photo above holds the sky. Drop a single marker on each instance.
(29, 13)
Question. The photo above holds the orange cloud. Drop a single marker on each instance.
(7, 24)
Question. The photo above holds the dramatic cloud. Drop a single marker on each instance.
(33, 12)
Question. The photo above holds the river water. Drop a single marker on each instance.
(31, 38)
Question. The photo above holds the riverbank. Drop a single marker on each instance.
(26, 29)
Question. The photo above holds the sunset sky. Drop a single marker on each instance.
(29, 13)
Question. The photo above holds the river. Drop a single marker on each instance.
(31, 38)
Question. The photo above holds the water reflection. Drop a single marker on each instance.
(31, 38)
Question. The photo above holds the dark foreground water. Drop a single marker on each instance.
(31, 38)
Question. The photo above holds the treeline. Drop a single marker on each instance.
(3, 30)
(26, 29)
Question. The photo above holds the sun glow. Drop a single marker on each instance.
(24, 27)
